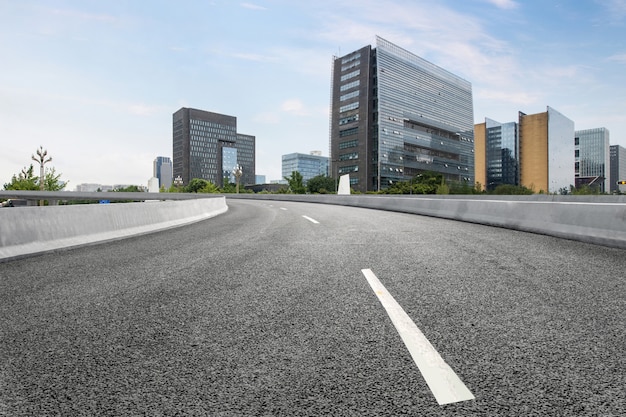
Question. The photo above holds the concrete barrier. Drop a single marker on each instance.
(592, 219)
(29, 230)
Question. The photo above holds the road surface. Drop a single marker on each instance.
(272, 309)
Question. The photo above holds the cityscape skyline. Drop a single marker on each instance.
(96, 84)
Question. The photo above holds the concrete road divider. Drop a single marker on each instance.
(592, 219)
(29, 230)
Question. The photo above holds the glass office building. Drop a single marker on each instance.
(537, 152)
(618, 168)
(560, 151)
(229, 163)
(395, 115)
(162, 170)
(592, 158)
(502, 154)
(246, 149)
(205, 145)
(308, 165)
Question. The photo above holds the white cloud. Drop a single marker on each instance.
(295, 107)
(517, 98)
(75, 14)
(252, 6)
(618, 58)
(504, 4)
(253, 57)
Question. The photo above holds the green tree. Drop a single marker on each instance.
(585, 189)
(129, 189)
(509, 189)
(25, 180)
(199, 185)
(53, 182)
(443, 188)
(320, 184)
(295, 183)
(463, 187)
(426, 182)
(229, 187)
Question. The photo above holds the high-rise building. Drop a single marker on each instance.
(537, 152)
(206, 145)
(308, 165)
(618, 168)
(246, 149)
(497, 154)
(592, 158)
(546, 151)
(162, 170)
(395, 115)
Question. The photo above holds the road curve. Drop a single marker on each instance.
(266, 310)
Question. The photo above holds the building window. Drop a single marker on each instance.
(351, 75)
(350, 85)
(348, 169)
(349, 96)
(351, 65)
(349, 107)
(349, 156)
(348, 144)
(349, 119)
(350, 58)
(348, 132)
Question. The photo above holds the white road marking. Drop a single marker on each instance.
(282, 208)
(445, 385)
(311, 220)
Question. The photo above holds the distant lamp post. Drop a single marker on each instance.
(41, 160)
(237, 172)
(178, 181)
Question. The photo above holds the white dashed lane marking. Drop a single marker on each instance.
(311, 220)
(443, 382)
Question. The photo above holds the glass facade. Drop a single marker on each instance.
(307, 165)
(229, 162)
(560, 151)
(246, 148)
(618, 168)
(402, 116)
(592, 158)
(205, 138)
(204, 143)
(502, 153)
(162, 170)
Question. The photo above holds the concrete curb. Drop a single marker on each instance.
(30, 230)
(597, 220)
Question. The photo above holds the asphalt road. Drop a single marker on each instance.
(261, 311)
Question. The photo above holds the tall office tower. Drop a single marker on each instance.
(618, 168)
(246, 149)
(205, 146)
(546, 151)
(592, 158)
(496, 154)
(308, 165)
(395, 115)
(162, 170)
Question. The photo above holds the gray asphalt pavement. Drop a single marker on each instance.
(262, 312)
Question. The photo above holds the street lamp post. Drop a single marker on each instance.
(238, 172)
(178, 182)
(41, 160)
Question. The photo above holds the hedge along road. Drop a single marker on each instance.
(271, 309)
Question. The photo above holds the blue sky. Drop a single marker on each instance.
(96, 82)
